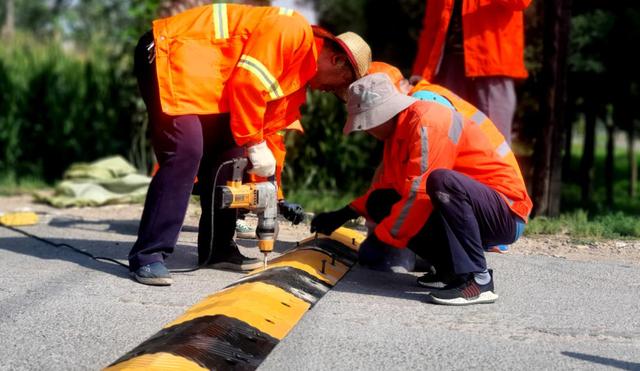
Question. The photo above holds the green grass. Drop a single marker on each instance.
(318, 201)
(577, 224)
(9, 186)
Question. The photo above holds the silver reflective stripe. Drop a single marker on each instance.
(456, 128)
(503, 149)
(425, 150)
(478, 117)
(509, 201)
(407, 206)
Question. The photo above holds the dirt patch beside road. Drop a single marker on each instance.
(560, 246)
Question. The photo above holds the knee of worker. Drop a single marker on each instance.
(380, 202)
(440, 185)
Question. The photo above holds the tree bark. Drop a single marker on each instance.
(548, 161)
(608, 168)
(633, 162)
(588, 154)
(9, 26)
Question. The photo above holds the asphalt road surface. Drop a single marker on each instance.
(60, 310)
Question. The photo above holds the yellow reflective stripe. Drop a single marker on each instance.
(268, 308)
(262, 73)
(285, 11)
(220, 21)
(156, 361)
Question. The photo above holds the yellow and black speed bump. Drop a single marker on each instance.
(237, 327)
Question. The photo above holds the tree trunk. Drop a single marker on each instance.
(566, 157)
(633, 162)
(9, 26)
(588, 154)
(608, 168)
(548, 155)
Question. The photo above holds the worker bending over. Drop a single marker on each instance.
(217, 80)
(446, 190)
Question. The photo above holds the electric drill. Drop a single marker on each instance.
(260, 198)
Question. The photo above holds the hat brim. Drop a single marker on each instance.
(378, 115)
(322, 33)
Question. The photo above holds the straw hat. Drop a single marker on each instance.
(357, 50)
(372, 101)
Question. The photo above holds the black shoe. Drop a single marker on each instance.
(154, 274)
(436, 281)
(469, 292)
(232, 259)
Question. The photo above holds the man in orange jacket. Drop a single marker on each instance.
(217, 80)
(476, 49)
(446, 191)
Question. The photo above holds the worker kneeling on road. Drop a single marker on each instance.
(445, 191)
(217, 80)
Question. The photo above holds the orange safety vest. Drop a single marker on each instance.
(276, 143)
(253, 62)
(470, 112)
(430, 136)
(493, 37)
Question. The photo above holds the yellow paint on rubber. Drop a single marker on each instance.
(310, 261)
(268, 308)
(156, 361)
(19, 219)
(345, 236)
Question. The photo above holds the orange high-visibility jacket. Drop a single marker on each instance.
(470, 112)
(253, 62)
(430, 136)
(493, 37)
(276, 143)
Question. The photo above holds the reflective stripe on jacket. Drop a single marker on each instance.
(253, 62)
(470, 112)
(493, 37)
(430, 136)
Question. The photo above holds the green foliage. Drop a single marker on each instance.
(320, 200)
(323, 158)
(57, 108)
(578, 224)
(11, 186)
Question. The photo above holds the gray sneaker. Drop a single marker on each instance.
(154, 274)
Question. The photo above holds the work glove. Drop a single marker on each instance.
(292, 212)
(262, 160)
(326, 223)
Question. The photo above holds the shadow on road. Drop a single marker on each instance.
(623, 365)
(183, 257)
(124, 227)
(395, 285)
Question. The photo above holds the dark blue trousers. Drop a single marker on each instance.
(185, 146)
(467, 217)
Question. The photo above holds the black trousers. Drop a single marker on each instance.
(467, 218)
(185, 146)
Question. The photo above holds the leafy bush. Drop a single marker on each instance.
(57, 108)
(325, 159)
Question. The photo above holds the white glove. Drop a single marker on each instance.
(264, 164)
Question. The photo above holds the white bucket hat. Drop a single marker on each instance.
(372, 101)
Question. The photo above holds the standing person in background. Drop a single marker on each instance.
(476, 49)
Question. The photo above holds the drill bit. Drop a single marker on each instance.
(265, 260)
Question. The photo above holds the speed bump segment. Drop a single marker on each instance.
(237, 327)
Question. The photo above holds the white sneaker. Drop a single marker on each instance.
(243, 230)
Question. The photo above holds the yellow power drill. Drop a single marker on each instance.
(260, 198)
